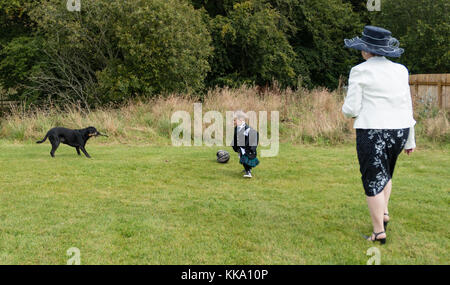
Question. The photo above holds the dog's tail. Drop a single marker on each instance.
(43, 140)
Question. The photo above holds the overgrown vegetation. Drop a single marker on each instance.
(115, 50)
(305, 116)
(109, 52)
(423, 29)
(134, 53)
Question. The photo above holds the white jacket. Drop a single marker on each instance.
(379, 97)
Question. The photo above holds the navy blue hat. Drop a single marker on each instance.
(376, 40)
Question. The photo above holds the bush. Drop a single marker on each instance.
(19, 60)
(250, 47)
(292, 41)
(113, 50)
(317, 29)
(423, 29)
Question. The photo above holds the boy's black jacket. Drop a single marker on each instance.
(249, 143)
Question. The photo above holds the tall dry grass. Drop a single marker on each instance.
(436, 128)
(305, 116)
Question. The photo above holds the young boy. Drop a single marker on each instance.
(245, 143)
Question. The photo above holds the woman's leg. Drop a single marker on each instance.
(377, 206)
(387, 195)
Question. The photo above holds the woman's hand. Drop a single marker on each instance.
(409, 151)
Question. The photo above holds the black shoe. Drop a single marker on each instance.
(381, 240)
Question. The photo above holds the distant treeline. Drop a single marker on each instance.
(113, 50)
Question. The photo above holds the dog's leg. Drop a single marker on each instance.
(85, 152)
(55, 145)
(78, 150)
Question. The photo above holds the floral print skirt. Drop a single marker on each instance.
(378, 150)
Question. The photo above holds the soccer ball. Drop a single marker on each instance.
(223, 156)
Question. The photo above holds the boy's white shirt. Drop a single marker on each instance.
(239, 129)
(379, 97)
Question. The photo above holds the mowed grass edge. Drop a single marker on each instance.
(168, 205)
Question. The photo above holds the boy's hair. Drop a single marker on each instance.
(241, 115)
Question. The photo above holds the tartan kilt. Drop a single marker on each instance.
(252, 162)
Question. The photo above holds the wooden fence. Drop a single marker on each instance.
(433, 89)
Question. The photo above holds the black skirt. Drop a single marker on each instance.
(377, 154)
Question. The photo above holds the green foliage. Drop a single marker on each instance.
(114, 50)
(261, 40)
(317, 31)
(216, 7)
(19, 60)
(358, 5)
(250, 47)
(14, 20)
(423, 29)
(165, 46)
(12, 10)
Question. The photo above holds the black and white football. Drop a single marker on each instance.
(223, 156)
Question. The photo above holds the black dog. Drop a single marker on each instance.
(75, 138)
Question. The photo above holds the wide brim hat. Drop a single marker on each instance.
(377, 41)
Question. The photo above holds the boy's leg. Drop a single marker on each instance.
(248, 171)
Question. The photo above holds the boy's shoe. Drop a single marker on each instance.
(248, 174)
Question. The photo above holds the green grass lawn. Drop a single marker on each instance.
(168, 205)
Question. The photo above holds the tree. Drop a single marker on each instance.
(19, 49)
(423, 29)
(317, 32)
(216, 7)
(314, 30)
(113, 50)
(250, 47)
(19, 61)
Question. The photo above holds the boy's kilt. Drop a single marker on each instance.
(252, 162)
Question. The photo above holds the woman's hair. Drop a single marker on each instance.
(372, 54)
(240, 115)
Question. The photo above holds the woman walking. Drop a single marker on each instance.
(379, 98)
